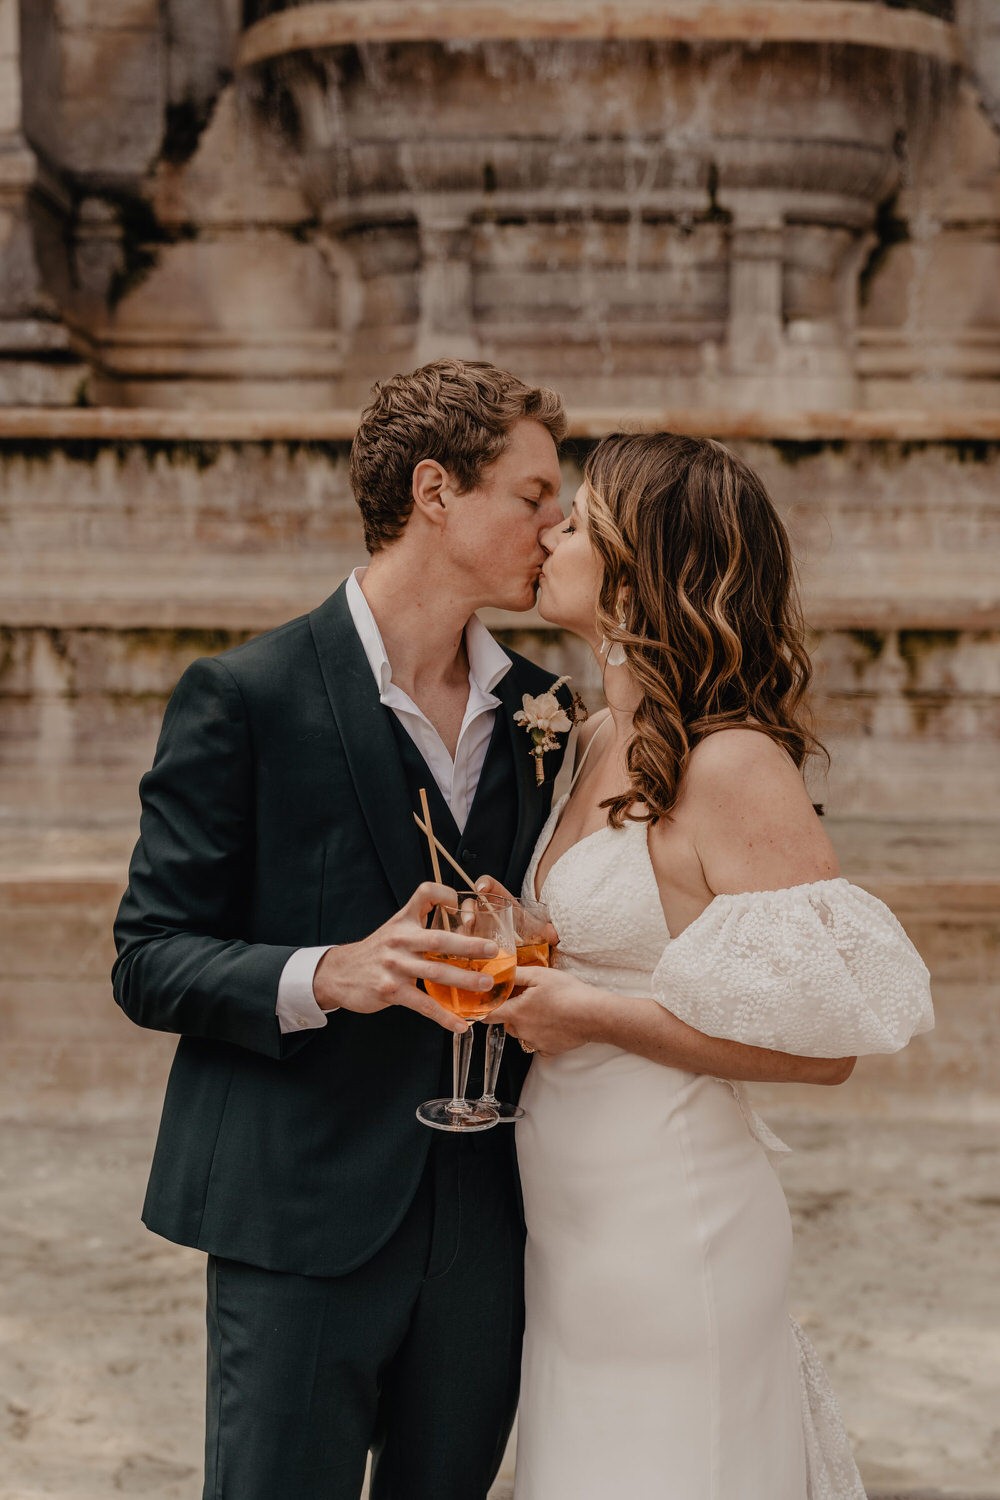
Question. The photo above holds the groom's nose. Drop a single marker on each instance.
(550, 536)
(549, 517)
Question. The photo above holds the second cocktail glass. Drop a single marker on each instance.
(531, 924)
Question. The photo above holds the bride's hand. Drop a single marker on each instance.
(553, 1013)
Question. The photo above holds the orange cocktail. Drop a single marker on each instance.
(473, 1005)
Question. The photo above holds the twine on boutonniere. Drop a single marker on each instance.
(545, 718)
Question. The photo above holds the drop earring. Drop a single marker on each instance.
(616, 655)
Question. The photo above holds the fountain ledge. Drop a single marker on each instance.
(176, 425)
(346, 22)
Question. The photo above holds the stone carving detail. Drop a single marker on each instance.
(692, 219)
(646, 220)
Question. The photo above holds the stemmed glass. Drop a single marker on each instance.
(531, 923)
(479, 917)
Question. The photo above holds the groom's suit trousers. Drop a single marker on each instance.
(415, 1354)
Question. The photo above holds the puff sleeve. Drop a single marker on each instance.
(820, 970)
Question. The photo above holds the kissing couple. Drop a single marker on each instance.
(370, 1280)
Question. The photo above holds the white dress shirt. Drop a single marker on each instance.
(456, 779)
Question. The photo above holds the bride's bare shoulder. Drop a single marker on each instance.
(751, 816)
(736, 753)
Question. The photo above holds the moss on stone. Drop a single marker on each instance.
(142, 239)
(187, 639)
(870, 642)
(797, 451)
(186, 122)
(916, 645)
(890, 230)
(974, 451)
(716, 213)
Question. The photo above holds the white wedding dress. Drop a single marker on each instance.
(660, 1362)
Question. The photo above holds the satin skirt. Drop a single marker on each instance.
(659, 1359)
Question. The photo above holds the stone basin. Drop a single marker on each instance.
(539, 183)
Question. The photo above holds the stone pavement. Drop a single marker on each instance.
(102, 1336)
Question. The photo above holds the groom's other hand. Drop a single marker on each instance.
(383, 969)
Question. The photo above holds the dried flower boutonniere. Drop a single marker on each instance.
(544, 718)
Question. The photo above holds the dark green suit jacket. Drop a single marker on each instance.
(276, 816)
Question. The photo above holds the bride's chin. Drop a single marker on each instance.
(545, 610)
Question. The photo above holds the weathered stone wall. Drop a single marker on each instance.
(644, 221)
(979, 23)
(108, 549)
(122, 562)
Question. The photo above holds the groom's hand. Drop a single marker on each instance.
(383, 969)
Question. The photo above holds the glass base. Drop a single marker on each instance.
(508, 1114)
(440, 1114)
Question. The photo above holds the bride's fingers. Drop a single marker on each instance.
(486, 885)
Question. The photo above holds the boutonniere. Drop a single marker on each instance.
(545, 718)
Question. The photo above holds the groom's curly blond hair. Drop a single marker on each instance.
(459, 412)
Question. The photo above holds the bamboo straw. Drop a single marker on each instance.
(432, 842)
(469, 882)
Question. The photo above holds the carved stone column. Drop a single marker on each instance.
(37, 364)
(792, 301)
(756, 333)
(445, 288)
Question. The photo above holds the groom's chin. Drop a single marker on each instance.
(518, 602)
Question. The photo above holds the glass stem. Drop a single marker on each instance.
(461, 1056)
(495, 1038)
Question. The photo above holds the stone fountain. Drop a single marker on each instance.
(651, 204)
(686, 203)
(775, 221)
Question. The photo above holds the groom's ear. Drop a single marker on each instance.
(430, 489)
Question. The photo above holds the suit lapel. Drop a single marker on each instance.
(369, 745)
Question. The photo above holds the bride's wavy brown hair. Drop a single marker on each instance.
(697, 564)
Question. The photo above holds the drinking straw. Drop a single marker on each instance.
(432, 842)
(469, 882)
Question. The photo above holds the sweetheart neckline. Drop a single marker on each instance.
(538, 891)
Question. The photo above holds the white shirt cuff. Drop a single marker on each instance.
(296, 1008)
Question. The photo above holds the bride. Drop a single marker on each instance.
(695, 892)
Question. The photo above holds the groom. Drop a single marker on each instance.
(364, 1272)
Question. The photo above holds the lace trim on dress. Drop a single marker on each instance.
(831, 1473)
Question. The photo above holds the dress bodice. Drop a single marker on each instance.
(605, 905)
(822, 969)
